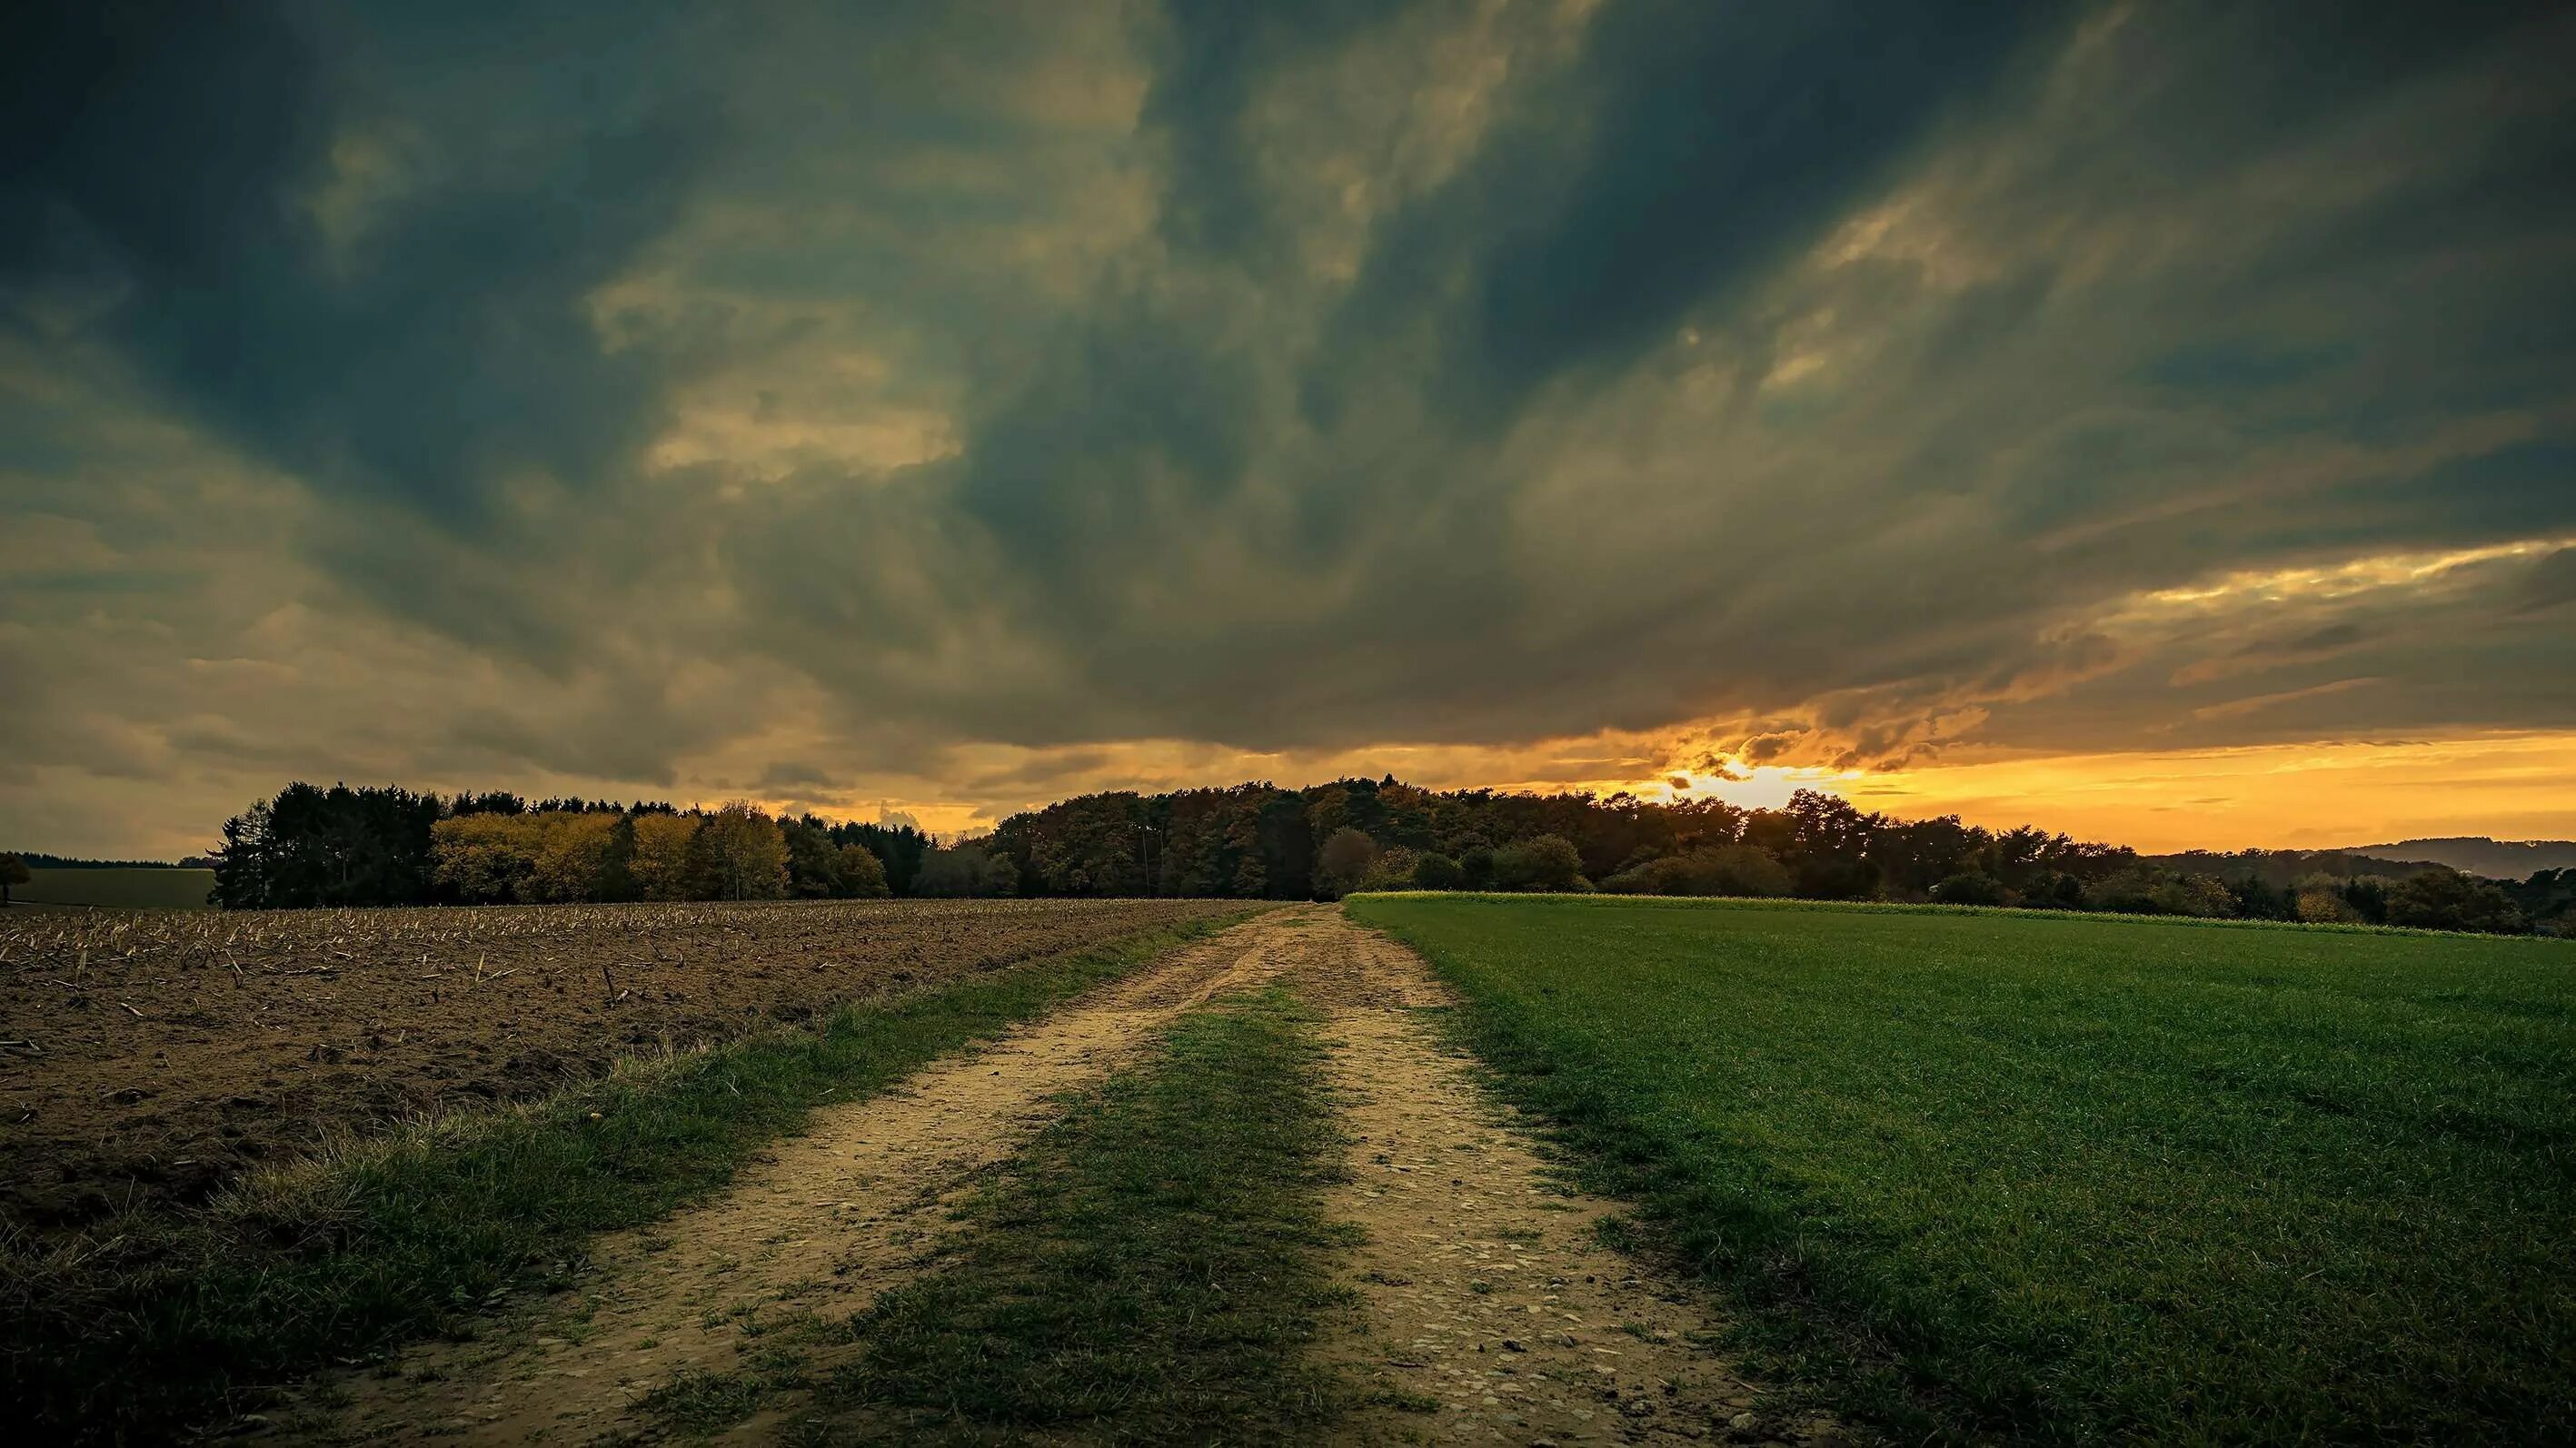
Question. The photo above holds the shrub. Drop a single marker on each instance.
(2449, 900)
(1344, 861)
(2146, 890)
(1476, 867)
(2368, 897)
(1723, 870)
(1969, 887)
(1391, 870)
(1544, 862)
(2128, 892)
(861, 875)
(2324, 905)
(1742, 870)
(2059, 890)
(1437, 872)
(2206, 896)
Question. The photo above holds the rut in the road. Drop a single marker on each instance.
(1491, 1310)
(825, 1222)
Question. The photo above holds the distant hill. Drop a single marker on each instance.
(2473, 855)
(130, 887)
(2281, 869)
(39, 860)
(2478, 855)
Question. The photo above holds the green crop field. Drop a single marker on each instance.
(119, 888)
(2070, 1178)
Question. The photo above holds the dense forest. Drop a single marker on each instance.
(387, 846)
(394, 846)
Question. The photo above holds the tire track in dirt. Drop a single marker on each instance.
(824, 1222)
(1484, 1288)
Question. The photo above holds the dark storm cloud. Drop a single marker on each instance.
(181, 158)
(1210, 58)
(1689, 146)
(1660, 180)
(2552, 583)
(768, 383)
(1681, 149)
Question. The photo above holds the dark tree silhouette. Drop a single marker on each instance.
(373, 846)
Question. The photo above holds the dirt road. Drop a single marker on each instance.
(1487, 1311)
(1491, 1305)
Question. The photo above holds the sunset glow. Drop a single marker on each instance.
(2303, 796)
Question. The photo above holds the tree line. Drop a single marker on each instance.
(39, 860)
(1360, 834)
(383, 846)
(312, 846)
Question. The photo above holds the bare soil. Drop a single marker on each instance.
(153, 1056)
(825, 1222)
(1492, 1311)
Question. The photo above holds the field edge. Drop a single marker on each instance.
(1802, 905)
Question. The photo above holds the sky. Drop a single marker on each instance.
(2154, 421)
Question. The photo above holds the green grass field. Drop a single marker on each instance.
(122, 889)
(2070, 1178)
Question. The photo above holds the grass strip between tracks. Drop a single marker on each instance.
(1148, 1271)
(163, 1324)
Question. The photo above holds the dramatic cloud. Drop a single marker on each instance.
(936, 408)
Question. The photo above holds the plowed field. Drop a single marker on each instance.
(154, 1056)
